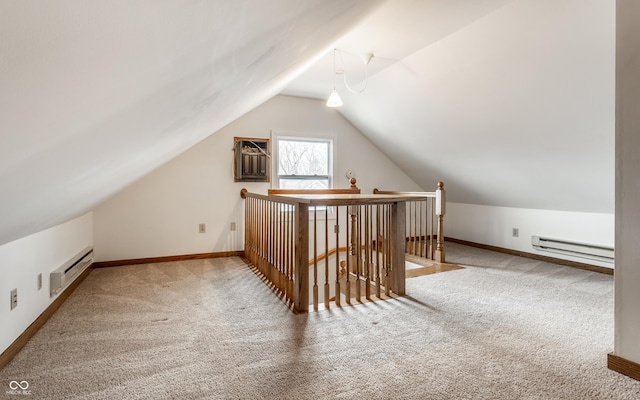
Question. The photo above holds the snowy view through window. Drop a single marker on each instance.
(303, 164)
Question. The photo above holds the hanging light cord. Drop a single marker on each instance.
(334, 68)
(344, 74)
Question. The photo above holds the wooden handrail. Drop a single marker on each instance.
(329, 199)
(244, 193)
(312, 191)
(415, 194)
(327, 254)
(351, 190)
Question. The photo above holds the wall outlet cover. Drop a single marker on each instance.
(14, 298)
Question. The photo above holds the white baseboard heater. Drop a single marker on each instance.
(577, 249)
(63, 276)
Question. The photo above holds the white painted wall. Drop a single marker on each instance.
(159, 215)
(515, 109)
(627, 277)
(20, 263)
(493, 226)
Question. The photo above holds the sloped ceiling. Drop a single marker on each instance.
(94, 95)
(510, 103)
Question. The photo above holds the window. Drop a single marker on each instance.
(304, 163)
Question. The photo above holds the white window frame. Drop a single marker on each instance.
(275, 159)
(322, 212)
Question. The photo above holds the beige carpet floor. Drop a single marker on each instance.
(503, 327)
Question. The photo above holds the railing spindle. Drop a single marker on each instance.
(387, 261)
(265, 238)
(292, 241)
(276, 244)
(272, 272)
(286, 265)
(431, 237)
(412, 235)
(315, 259)
(259, 243)
(421, 233)
(337, 232)
(283, 247)
(367, 251)
(357, 248)
(377, 247)
(327, 288)
(348, 246)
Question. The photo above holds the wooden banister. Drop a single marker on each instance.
(353, 189)
(279, 238)
(312, 191)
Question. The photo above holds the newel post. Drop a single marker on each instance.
(441, 202)
(301, 272)
(398, 243)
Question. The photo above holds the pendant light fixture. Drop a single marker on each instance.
(334, 99)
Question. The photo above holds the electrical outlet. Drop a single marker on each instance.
(515, 232)
(14, 298)
(40, 281)
(202, 228)
(233, 226)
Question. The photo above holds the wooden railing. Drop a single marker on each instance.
(425, 222)
(365, 233)
(352, 189)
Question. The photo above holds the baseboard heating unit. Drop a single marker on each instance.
(577, 249)
(63, 276)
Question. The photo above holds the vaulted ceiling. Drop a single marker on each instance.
(510, 102)
(94, 95)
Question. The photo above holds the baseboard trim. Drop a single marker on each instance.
(574, 264)
(153, 260)
(623, 366)
(17, 345)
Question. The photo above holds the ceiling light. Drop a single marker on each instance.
(334, 99)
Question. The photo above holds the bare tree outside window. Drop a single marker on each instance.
(303, 164)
